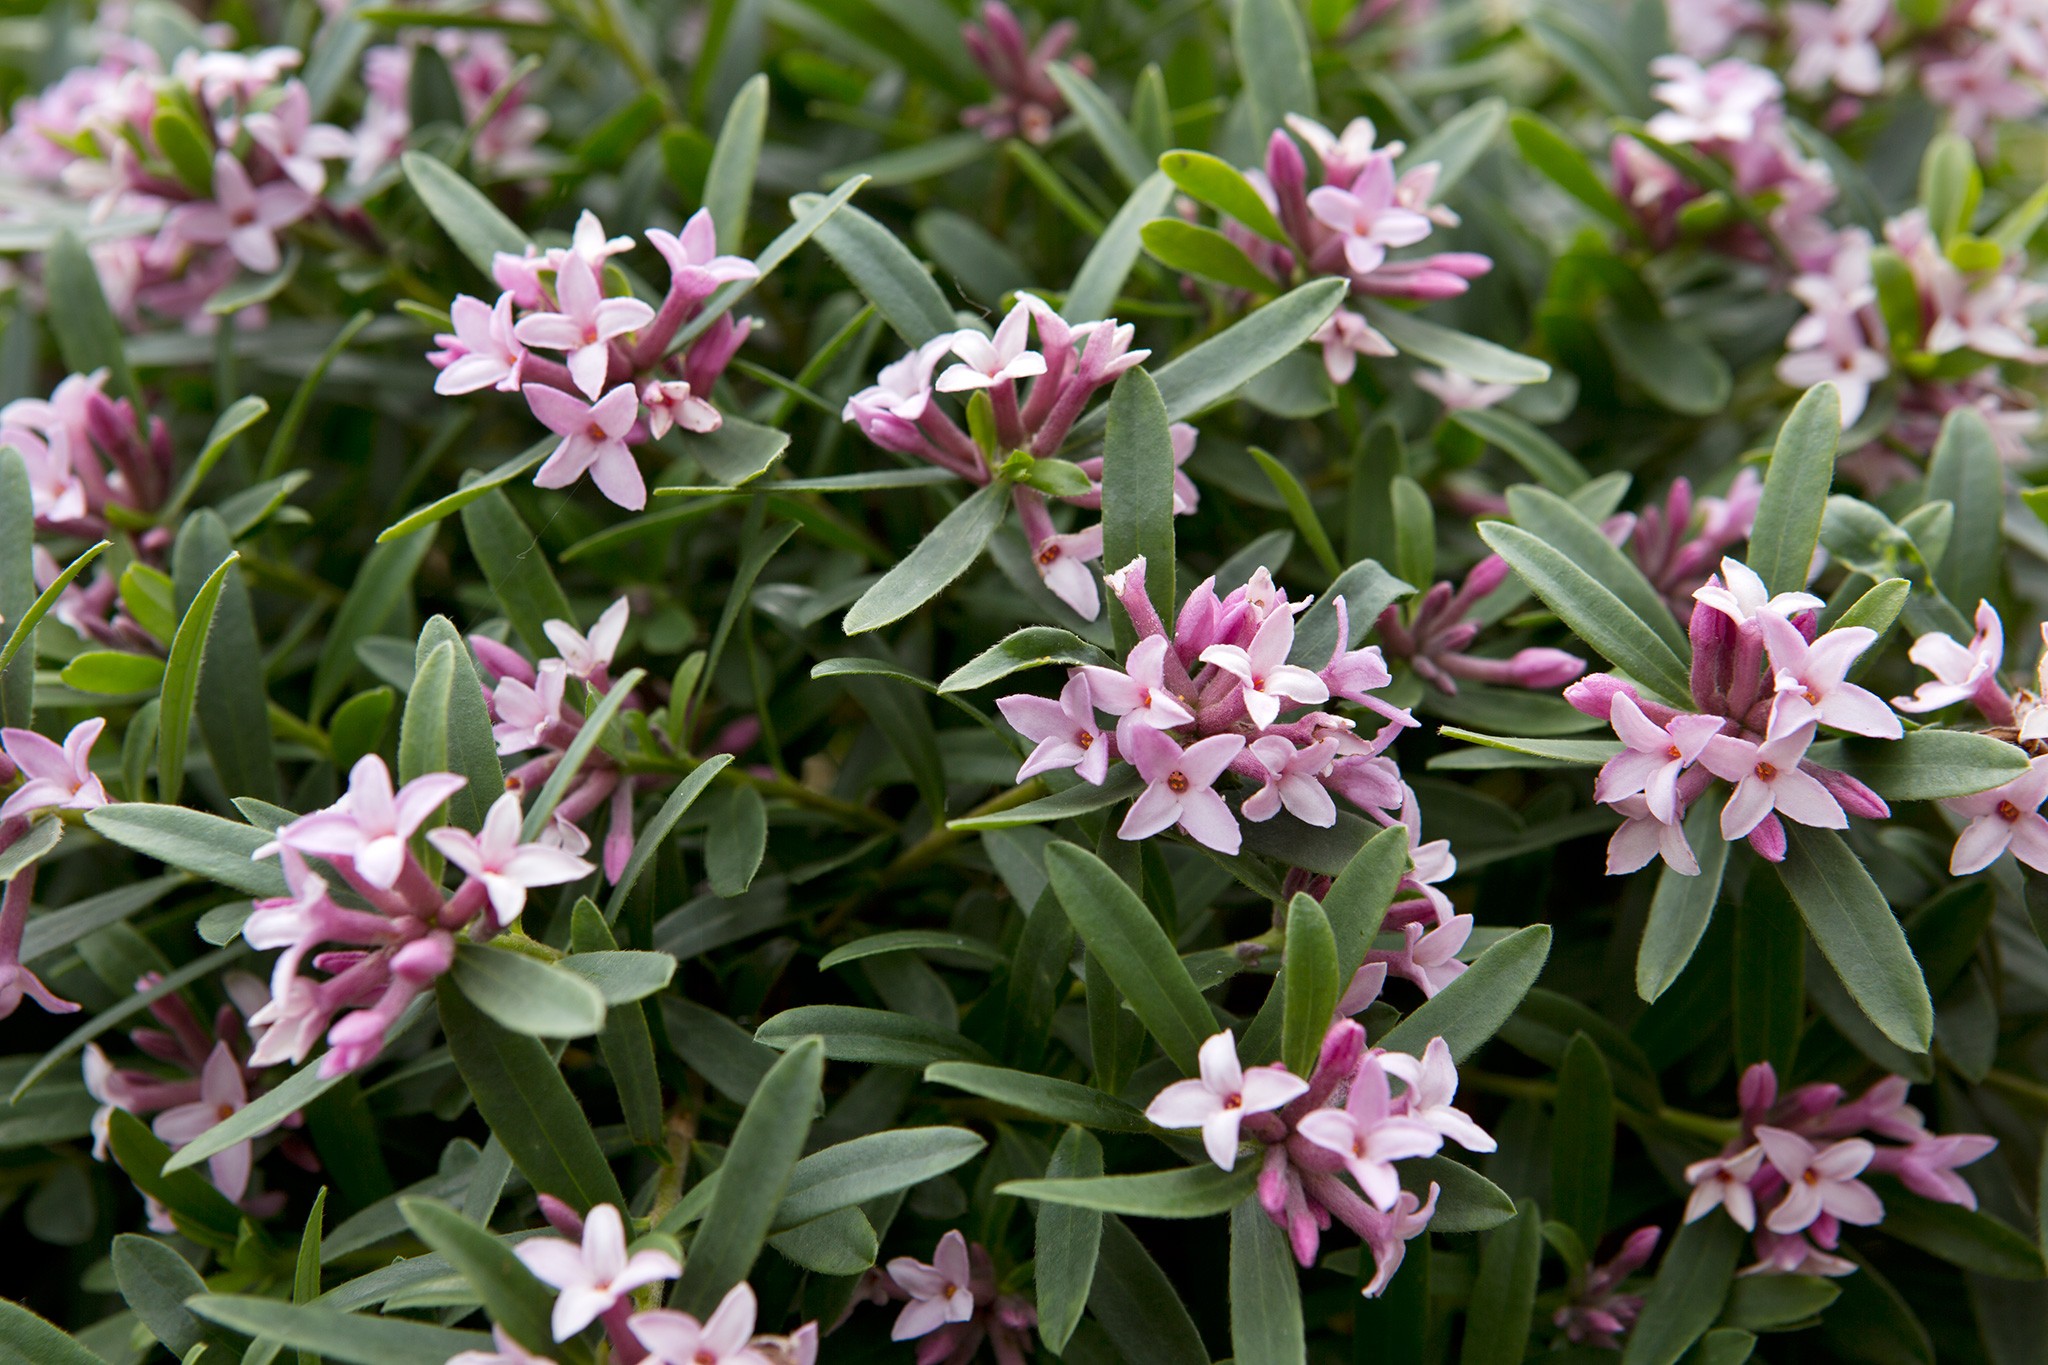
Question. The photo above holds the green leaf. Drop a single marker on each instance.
(715, 1048)
(736, 840)
(1669, 361)
(1079, 799)
(1547, 149)
(1877, 609)
(729, 183)
(1137, 487)
(285, 435)
(1504, 1291)
(351, 1338)
(110, 673)
(884, 271)
(522, 1096)
(652, 835)
(1769, 995)
(1582, 1140)
(1192, 1192)
(1685, 1299)
(1309, 984)
(1565, 528)
(201, 1211)
(1068, 1240)
(810, 211)
(1454, 350)
(1683, 906)
(1031, 647)
(1591, 609)
(621, 975)
(758, 1165)
(1926, 765)
(88, 336)
(1366, 590)
(471, 751)
(911, 941)
(1456, 144)
(513, 1298)
(1950, 185)
(1767, 1303)
(1543, 459)
(231, 677)
(580, 748)
(380, 589)
(17, 582)
(1578, 752)
(626, 1041)
(471, 221)
(1473, 1007)
(1191, 249)
(423, 728)
(34, 1341)
(1045, 1097)
(1357, 901)
(1858, 934)
(527, 995)
(1966, 472)
(181, 683)
(1466, 1200)
(1120, 931)
(1113, 136)
(156, 1281)
(237, 418)
(518, 573)
(737, 453)
(1960, 1236)
(1138, 1307)
(450, 503)
(1300, 510)
(945, 553)
(1271, 46)
(879, 1037)
(1213, 181)
(840, 1244)
(202, 844)
(1796, 491)
(1265, 1295)
(865, 1168)
(257, 1117)
(1102, 275)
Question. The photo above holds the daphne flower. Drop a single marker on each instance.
(242, 217)
(1819, 1181)
(1263, 669)
(939, 1292)
(1432, 1082)
(1346, 337)
(1458, 391)
(506, 867)
(1180, 786)
(1835, 45)
(1343, 156)
(1655, 756)
(671, 404)
(585, 325)
(1721, 103)
(222, 1094)
(1387, 1239)
(370, 824)
(1959, 671)
(1768, 779)
(1642, 837)
(526, 714)
(1739, 594)
(1293, 780)
(1842, 357)
(1816, 675)
(695, 267)
(1139, 691)
(1722, 1182)
(589, 244)
(508, 1352)
(299, 146)
(1368, 1136)
(593, 441)
(1062, 561)
(1065, 732)
(676, 1338)
(58, 778)
(2006, 817)
(1927, 1167)
(1367, 217)
(588, 658)
(594, 1276)
(1431, 960)
(482, 351)
(986, 363)
(1218, 1101)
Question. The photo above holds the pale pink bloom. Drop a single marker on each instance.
(589, 244)
(525, 714)
(1990, 318)
(1655, 756)
(68, 409)
(593, 442)
(519, 275)
(986, 363)
(482, 350)
(370, 824)
(1431, 958)
(1180, 786)
(1139, 691)
(299, 146)
(508, 1352)
(1366, 984)
(1388, 1239)
(1720, 103)
(300, 922)
(1642, 837)
(1293, 780)
(1979, 89)
(1367, 216)
(676, 1338)
(1835, 44)
(1843, 358)
(1959, 671)
(1768, 779)
(2006, 817)
(506, 867)
(1794, 1255)
(671, 404)
(592, 1277)
(57, 778)
(1268, 679)
(1739, 594)
(1346, 337)
(1185, 495)
(1819, 1181)
(589, 657)
(939, 1293)
(1218, 1100)
(1429, 863)
(217, 75)
(585, 325)
(1703, 29)
(1432, 1081)
(1065, 731)
(1344, 156)
(1108, 351)
(1816, 674)
(100, 1083)
(902, 390)
(1062, 561)
(695, 267)
(1927, 1167)
(1723, 1182)
(242, 217)
(1458, 391)
(222, 1094)
(1368, 1135)
(56, 493)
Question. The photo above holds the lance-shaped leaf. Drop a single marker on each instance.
(1685, 1299)
(883, 269)
(1795, 492)
(1473, 1007)
(1137, 486)
(181, 683)
(942, 556)
(1856, 931)
(1683, 906)
(1069, 1238)
(1108, 264)
(471, 221)
(1265, 1295)
(1192, 1192)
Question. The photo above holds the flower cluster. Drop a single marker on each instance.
(52, 777)
(623, 379)
(488, 89)
(1764, 681)
(1433, 638)
(951, 1305)
(89, 458)
(1597, 1309)
(1805, 1152)
(1345, 1119)
(901, 412)
(402, 938)
(1025, 102)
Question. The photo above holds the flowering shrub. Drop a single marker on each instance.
(727, 684)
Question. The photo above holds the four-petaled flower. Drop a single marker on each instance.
(370, 824)
(1065, 732)
(2006, 817)
(1432, 1081)
(1368, 216)
(1218, 1101)
(585, 325)
(244, 218)
(222, 1094)
(1180, 786)
(695, 267)
(481, 351)
(58, 778)
(592, 1277)
(1292, 781)
(589, 657)
(593, 441)
(1816, 674)
(1268, 679)
(676, 1338)
(1138, 693)
(1959, 670)
(986, 363)
(1739, 594)
(505, 866)
(1819, 1181)
(1768, 779)
(1369, 1136)
(1722, 1182)
(939, 1293)
(1655, 756)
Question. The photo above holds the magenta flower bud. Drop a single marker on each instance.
(562, 1217)
(1594, 696)
(501, 660)
(1545, 668)
(425, 959)
(1128, 586)
(1855, 798)
(1195, 629)
(1635, 1253)
(1287, 173)
(1274, 1178)
(1768, 839)
(1757, 1091)
(1343, 1046)
(1488, 574)
(1713, 655)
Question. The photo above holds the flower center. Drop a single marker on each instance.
(225, 1111)
(1811, 1177)
(1048, 554)
(1085, 738)
(1766, 771)
(1233, 1101)
(2008, 810)
(597, 433)
(1177, 783)
(1672, 752)
(704, 1357)
(951, 1289)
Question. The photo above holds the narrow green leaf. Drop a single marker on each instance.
(231, 675)
(1045, 1097)
(1453, 350)
(1504, 1292)
(471, 221)
(1686, 1297)
(883, 269)
(1300, 510)
(1856, 931)
(1139, 1309)
(1108, 264)
(88, 336)
(1213, 181)
(1473, 1007)
(1265, 1294)
(517, 571)
(24, 628)
(594, 729)
(238, 417)
(1547, 149)
(181, 683)
(852, 1033)
(1193, 1192)
(202, 844)
(735, 841)
(351, 1338)
(1031, 647)
(381, 586)
(472, 752)
(1796, 491)
(513, 1298)
(450, 503)
(156, 1281)
(1079, 799)
(527, 995)
(1192, 249)
(652, 835)
(17, 581)
(1966, 472)
(870, 1167)
(1543, 459)
(1683, 906)
(423, 728)
(1309, 984)
(1271, 46)
(1113, 136)
(1068, 1240)
(1137, 486)
(729, 183)
(945, 553)
(1582, 1140)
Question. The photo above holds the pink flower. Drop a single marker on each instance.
(369, 825)
(1139, 692)
(1458, 391)
(221, 1096)
(526, 715)
(1927, 1167)
(1218, 1101)
(695, 267)
(1293, 780)
(594, 1276)
(676, 1338)
(589, 244)
(1268, 679)
(589, 658)
(903, 389)
(1841, 357)
(1834, 45)
(1387, 1239)
(1432, 1082)
(1723, 1182)
(58, 778)
(1065, 732)
(482, 350)
(1346, 337)
(286, 130)
(1369, 1136)
(1642, 837)
(1655, 756)
(1180, 786)
(508, 1352)
(585, 325)
(1959, 671)
(986, 363)
(1062, 561)
(1979, 89)
(1721, 103)
(1343, 156)
(593, 441)
(1816, 675)
(939, 1292)
(300, 922)
(671, 404)
(1819, 1181)
(242, 217)
(1768, 779)
(506, 867)
(1367, 217)
(2006, 817)
(1739, 594)
(1431, 959)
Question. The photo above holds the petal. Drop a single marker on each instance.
(1852, 1201)
(1269, 1087)
(1750, 802)
(1797, 1211)
(1217, 1060)
(1219, 1137)
(1978, 846)
(1205, 818)
(1184, 1104)
(1799, 796)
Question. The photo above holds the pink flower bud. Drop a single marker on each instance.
(562, 1217)
(1545, 668)
(1855, 798)
(1768, 839)
(502, 661)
